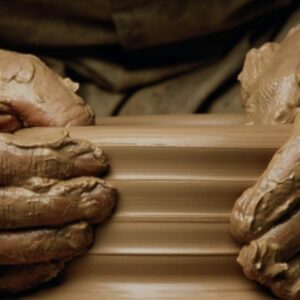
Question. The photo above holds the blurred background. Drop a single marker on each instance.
(142, 57)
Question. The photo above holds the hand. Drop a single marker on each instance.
(48, 193)
(266, 216)
(33, 95)
(270, 81)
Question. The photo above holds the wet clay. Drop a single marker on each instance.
(270, 81)
(160, 236)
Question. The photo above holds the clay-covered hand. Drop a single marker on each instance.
(49, 190)
(270, 81)
(266, 217)
(49, 196)
(33, 95)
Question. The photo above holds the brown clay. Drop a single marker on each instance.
(169, 237)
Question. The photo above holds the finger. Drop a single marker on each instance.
(14, 279)
(9, 123)
(39, 96)
(42, 245)
(59, 158)
(288, 285)
(241, 217)
(266, 258)
(274, 195)
(48, 202)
